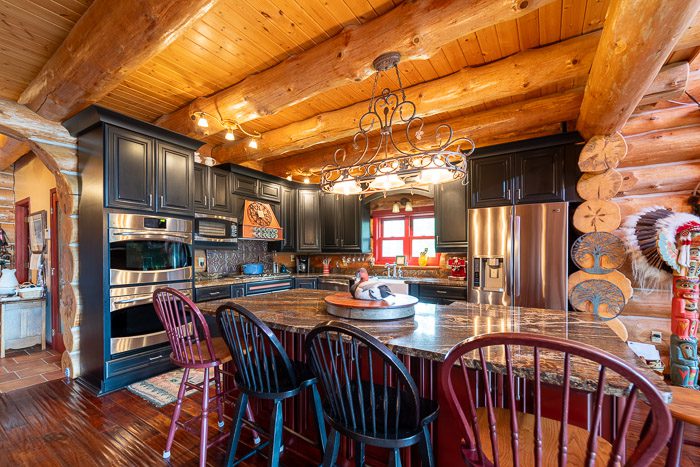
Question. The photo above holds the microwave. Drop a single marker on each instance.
(212, 230)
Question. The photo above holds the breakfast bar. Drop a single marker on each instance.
(423, 341)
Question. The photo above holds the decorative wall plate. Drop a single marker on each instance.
(603, 298)
(598, 252)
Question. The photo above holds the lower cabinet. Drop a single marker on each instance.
(305, 283)
(256, 288)
(438, 294)
(205, 294)
(237, 290)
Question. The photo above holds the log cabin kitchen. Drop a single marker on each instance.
(352, 232)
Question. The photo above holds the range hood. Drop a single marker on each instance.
(260, 223)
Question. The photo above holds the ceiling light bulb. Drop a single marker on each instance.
(306, 180)
(289, 177)
(396, 208)
(387, 182)
(409, 206)
(253, 144)
(202, 121)
(229, 135)
(435, 173)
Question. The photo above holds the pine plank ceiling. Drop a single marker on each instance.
(237, 38)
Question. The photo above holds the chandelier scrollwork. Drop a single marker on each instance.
(401, 158)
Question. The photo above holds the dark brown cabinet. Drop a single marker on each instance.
(129, 168)
(451, 217)
(212, 190)
(344, 224)
(288, 207)
(147, 174)
(539, 176)
(269, 191)
(536, 175)
(175, 183)
(244, 185)
(491, 183)
(237, 290)
(308, 221)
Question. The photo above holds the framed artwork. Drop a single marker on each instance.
(37, 231)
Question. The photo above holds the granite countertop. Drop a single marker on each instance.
(435, 329)
(223, 281)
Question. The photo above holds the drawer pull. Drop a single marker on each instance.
(441, 291)
(214, 293)
(156, 358)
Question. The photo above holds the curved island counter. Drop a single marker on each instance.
(423, 341)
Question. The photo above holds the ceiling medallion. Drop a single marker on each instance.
(396, 162)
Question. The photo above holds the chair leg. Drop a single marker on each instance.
(320, 423)
(426, 449)
(359, 454)
(276, 426)
(395, 459)
(330, 455)
(219, 404)
(176, 414)
(251, 419)
(204, 431)
(240, 409)
(674, 450)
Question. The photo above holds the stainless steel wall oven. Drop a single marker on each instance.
(148, 250)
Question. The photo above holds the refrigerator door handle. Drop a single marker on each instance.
(516, 254)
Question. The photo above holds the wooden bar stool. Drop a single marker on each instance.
(263, 370)
(192, 348)
(505, 436)
(685, 408)
(369, 395)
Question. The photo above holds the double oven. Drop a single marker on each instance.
(145, 252)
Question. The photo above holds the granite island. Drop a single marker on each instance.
(423, 341)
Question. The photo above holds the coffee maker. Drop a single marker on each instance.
(302, 264)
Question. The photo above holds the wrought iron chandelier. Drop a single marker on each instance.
(230, 125)
(393, 164)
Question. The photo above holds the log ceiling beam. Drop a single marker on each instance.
(11, 150)
(416, 29)
(636, 41)
(19, 122)
(108, 42)
(530, 69)
(691, 36)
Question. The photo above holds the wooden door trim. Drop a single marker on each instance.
(56, 335)
(22, 241)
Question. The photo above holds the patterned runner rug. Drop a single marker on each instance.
(162, 390)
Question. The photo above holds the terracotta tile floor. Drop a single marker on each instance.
(27, 367)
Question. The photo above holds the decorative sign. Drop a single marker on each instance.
(603, 298)
(598, 252)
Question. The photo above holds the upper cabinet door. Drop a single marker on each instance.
(201, 187)
(129, 170)
(269, 191)
(330, 222)
(354, 225)
(175, 179)
(490, 181)
(243, 185)
(539, 175)
(288, 218)
(308, 227)
(220, 191)
(451, 217)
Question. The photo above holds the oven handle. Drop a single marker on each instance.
(153, 236)
(136, 300)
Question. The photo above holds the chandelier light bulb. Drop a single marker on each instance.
(289, 177)
(202, 122)
(409, 206)
(387, 182)
(253, 144)
(306, 180)
(346, 186)
(229, 135)
(396, 208)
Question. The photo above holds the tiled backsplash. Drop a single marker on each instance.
(230, 261)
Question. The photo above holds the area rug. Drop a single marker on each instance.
(162, 390)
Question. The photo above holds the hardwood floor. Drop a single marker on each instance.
(61, 423)
(27, 367)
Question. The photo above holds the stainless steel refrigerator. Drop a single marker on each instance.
(518, 255)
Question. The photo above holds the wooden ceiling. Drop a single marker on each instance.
(239, 38)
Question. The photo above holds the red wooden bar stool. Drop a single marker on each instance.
(494, 436)
(193, 348)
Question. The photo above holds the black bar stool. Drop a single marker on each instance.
(368, 394)
(263, 370)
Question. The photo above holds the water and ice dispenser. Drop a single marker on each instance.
(489, 273)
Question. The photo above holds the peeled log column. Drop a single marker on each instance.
(11, 150)
(637, 38)
(511, 76)
(108, 42)
(416, 29)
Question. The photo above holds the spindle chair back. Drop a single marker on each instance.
(368, 394)
(482, 426)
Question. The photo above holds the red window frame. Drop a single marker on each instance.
(377, 219)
